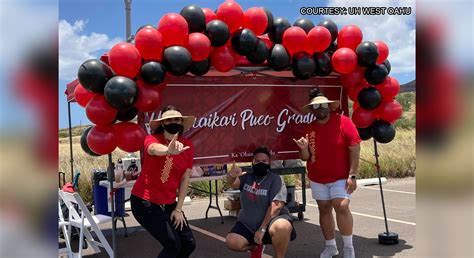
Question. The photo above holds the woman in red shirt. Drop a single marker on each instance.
(167, 164)
(331, 150)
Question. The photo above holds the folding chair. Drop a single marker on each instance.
(62, 224)
(84, 220)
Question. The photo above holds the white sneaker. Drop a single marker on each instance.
(329, 251)
(349, 252)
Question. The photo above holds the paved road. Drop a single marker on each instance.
(366, 206)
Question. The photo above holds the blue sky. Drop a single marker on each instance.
(89, 28)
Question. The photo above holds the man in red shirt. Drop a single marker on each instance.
(331, 150)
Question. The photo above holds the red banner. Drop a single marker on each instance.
(235, 114)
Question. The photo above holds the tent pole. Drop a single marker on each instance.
(111, 177)
(71, 160)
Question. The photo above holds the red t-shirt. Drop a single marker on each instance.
(329, 148)
(161, 175)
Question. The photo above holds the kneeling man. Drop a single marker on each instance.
(263, 218)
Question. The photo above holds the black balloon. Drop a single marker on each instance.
(84, 145)
(244, 41)
(93, 74)
(279, 27)
(383, 132)
(125, 115)
(387, 65)
(323, 64)
(305, 24)
(332, 48)
(145, 26)
(260, 54)
(177, 60)
(332, 27)
(303, 65)
(367, 53)
(200, 68)
(269, 18)
(121, 92)
(369, 98)
(195, 18)
(153, 72)
(365, 133)
(217, 32)
(279, 59)
(376, 74)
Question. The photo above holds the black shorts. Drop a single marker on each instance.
(240, 229)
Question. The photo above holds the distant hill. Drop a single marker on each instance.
(408, 87)
(76, 130)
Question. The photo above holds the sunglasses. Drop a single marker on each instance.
(323, 105)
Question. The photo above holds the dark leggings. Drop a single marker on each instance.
(157, 221)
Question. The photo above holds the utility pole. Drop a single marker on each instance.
(128, 23)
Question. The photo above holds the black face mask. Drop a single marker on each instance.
(260, 169)
(321, 113)
(173, 128)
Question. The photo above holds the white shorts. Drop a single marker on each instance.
(325, 192)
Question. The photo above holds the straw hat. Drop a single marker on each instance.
(333, 104)
(187, 123)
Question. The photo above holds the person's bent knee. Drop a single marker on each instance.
(235, 244)
(188, 247)
(280, 226)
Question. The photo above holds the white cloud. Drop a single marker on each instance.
(75, 48)
(24, 27)
(453, 22)
(397, 31)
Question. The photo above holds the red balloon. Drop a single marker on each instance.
(389, 88)
(383, 51)
(130, 136)
(344, 60)
(318, 40)
(350, 36)
(222, 59)
(355, 105)
(150, 43)
(174, 29)
(125, 60)
(267, 40)
(157, 87)
(99, 111)
(232, 14)
(256, 20)
(294, 39)
(356, 77)
(82, 96)
(389, 111)
(354, 92)
(363, 118)
(199, 46)
(210, 15)
(148, 99)
(101, 139)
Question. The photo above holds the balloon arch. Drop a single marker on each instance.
(129, 78)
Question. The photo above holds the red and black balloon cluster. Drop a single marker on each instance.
(374, 110)
(131, 79)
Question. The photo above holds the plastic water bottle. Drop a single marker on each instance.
(119, 172)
